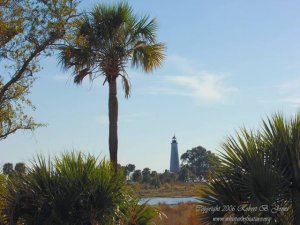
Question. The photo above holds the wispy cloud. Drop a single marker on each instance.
(290, 85)
(290, 89)
(205, 86)
(292, 101)
(201, 85)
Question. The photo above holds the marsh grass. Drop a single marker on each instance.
(168, 189)
(180, 214)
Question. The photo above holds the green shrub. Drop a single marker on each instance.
(73, 189)
(258, 169)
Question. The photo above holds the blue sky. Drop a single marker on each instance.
(229, 64)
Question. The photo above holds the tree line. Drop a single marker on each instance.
(196, 165)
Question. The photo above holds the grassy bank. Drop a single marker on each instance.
(168, 190)
(180, 214)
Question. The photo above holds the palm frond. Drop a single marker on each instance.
(145, 30)
(78, 78)
(148, 57)
(126, 85)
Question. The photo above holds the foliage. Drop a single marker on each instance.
(257, 169)
(74, 189)
(168, 177)
(106, 39)
(8, 168)
(20, 168)
(180, 214)
(104, 42)
(129, 168)
(137, 176)
(146, 173)
(153, 178)
(184, 174)
(199, 161)
(155, 181)
(28, 30)
(138, 214)
(2, 198)
(167, 189)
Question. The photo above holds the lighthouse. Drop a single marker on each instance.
(174, 161)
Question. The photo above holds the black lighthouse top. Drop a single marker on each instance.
(174, 139)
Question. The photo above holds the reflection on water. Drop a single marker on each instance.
(168, 200)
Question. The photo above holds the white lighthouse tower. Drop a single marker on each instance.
(174, 161)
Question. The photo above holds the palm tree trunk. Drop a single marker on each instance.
(113, 122)
(296, 205)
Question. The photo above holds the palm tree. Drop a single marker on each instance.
(258, 168)
(104, 42)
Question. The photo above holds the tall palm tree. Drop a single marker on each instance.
(104, 42)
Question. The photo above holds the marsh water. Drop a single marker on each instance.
(168, 200)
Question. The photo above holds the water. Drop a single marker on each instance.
(168, 200)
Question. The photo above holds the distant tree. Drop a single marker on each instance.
(173, 177)
(146, 175)
(199, 161)
(20, 168)
(153, 174)
(137, 176)
(8, 169)
(165, 177)
(155, 181)
(184, 174)
(129, 169)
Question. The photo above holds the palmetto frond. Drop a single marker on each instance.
(258, 168)
(283, 140)
(145, 30)
(148, 56)
(73, 189)
(126, 84)
(219, 194)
